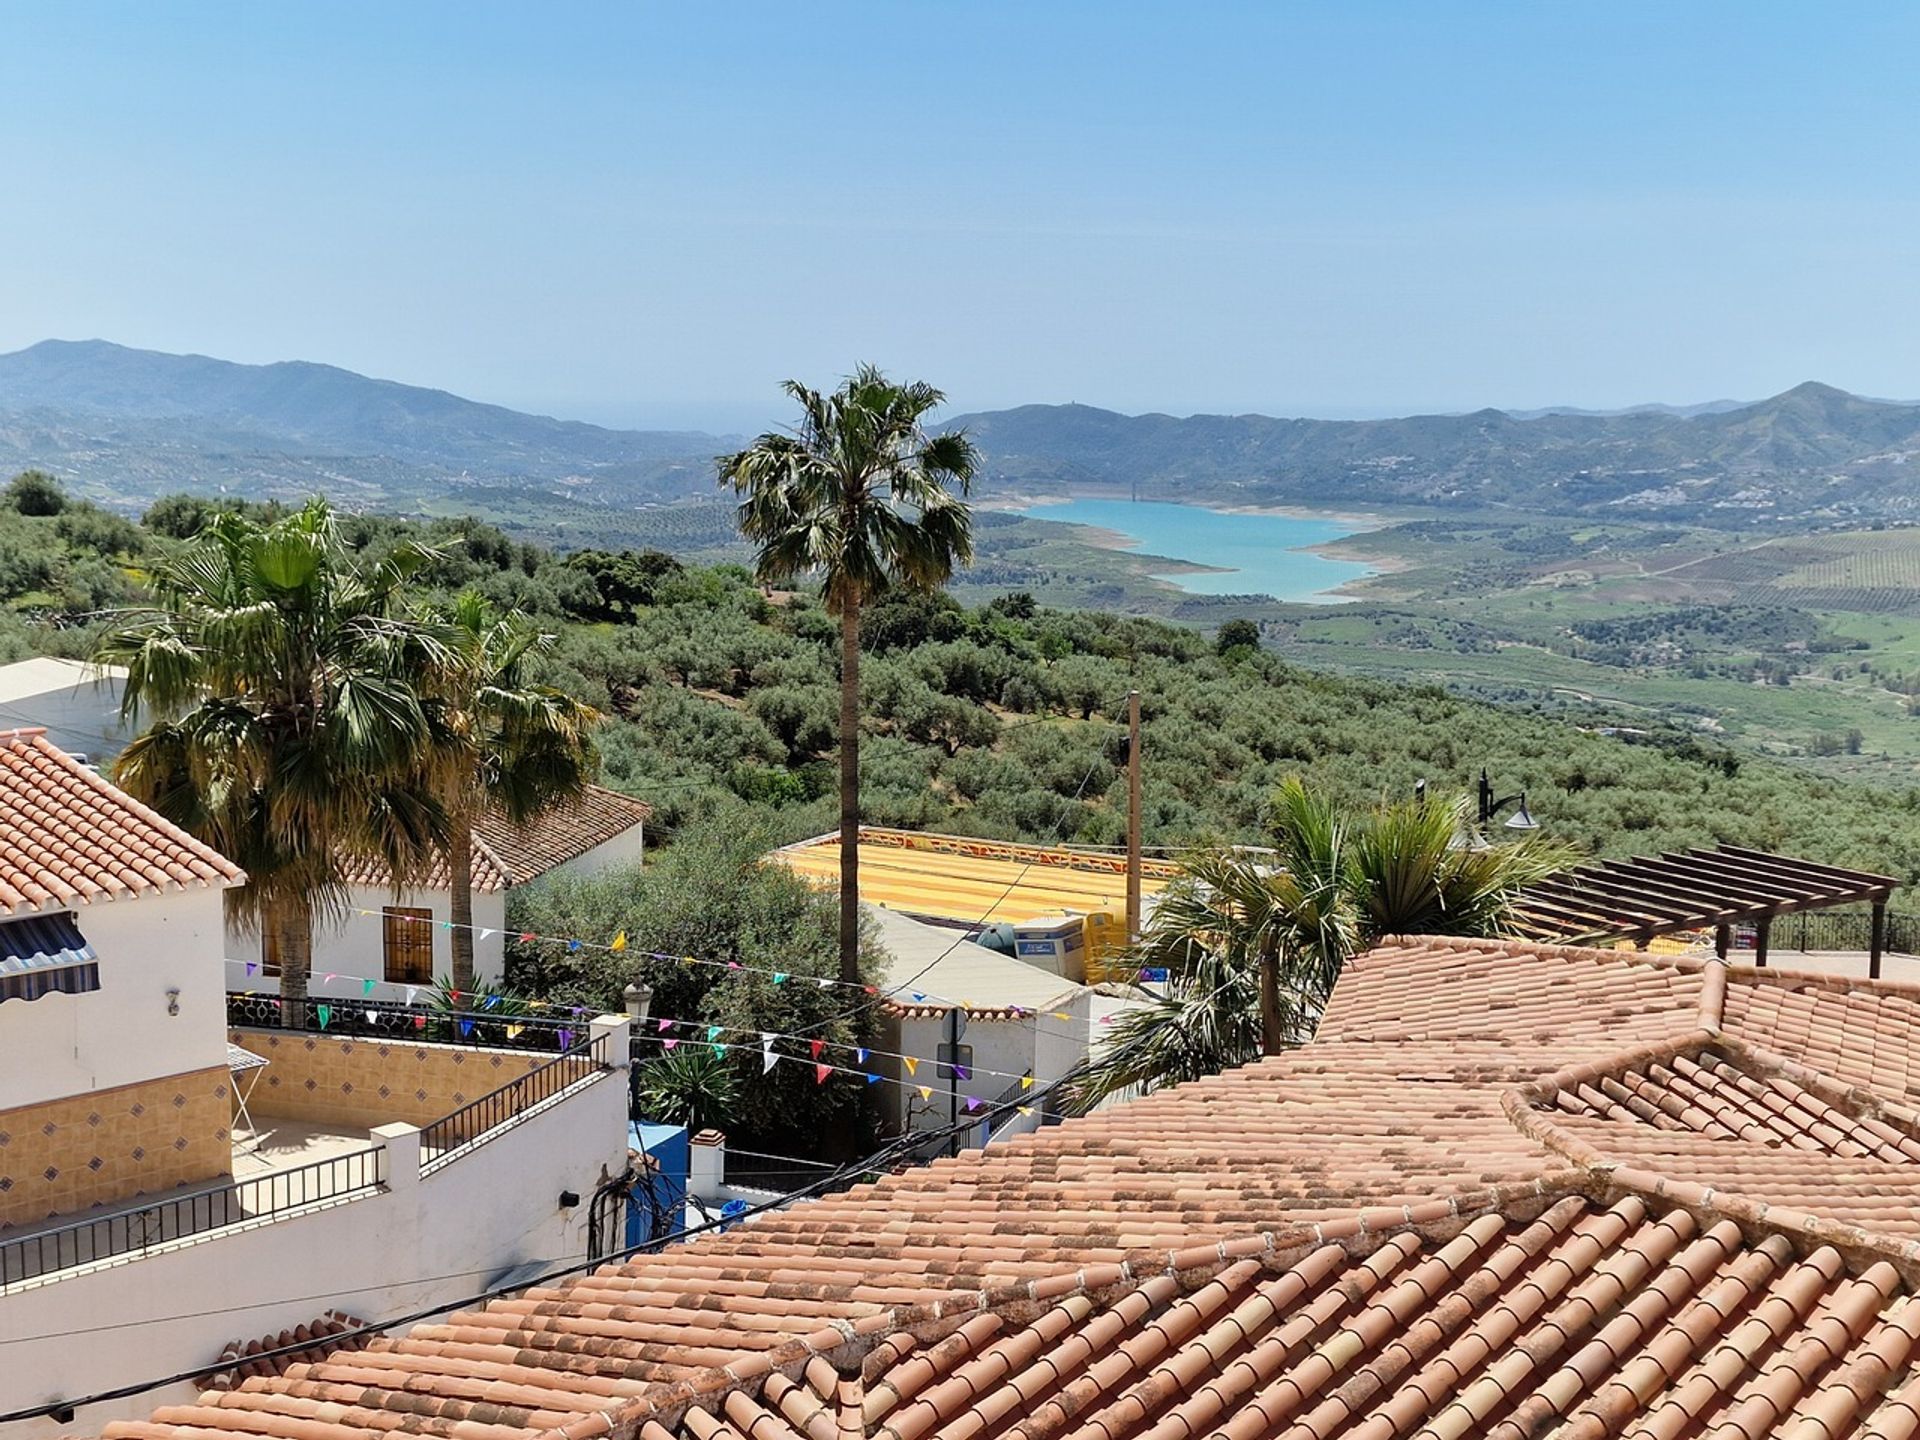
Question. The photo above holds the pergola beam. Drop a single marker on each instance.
(1696, 890)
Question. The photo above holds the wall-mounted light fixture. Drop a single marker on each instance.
(173, 1001)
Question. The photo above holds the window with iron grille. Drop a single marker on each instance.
(408, 933)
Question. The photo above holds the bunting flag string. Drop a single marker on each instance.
(621, 945)
(824, 1070)
(770, 1056)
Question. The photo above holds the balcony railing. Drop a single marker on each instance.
(1840, 930)
(127, 1233)
(392, 1020)
(479, 1120)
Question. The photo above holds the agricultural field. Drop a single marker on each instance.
(1801, 647)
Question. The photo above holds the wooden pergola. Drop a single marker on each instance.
(1643, 897)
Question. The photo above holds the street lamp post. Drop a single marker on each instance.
(1521, 819)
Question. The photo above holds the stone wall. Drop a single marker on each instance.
(111, 1146)
(359, 1083)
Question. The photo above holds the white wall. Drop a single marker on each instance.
(82, 716)
(1059, 1045)
(1042, 1043)
(353, 949)
(121, 1034)
(625, 848)
(441, 1239)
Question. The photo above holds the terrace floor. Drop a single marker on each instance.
(274, 1143)
(272, 1164)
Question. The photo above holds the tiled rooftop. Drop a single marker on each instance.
(1510, 1190)
(505, 854)
(68, 837)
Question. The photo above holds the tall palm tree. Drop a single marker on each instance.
(288, 734)
(1253, 941)
(860, 495)
(501, 741)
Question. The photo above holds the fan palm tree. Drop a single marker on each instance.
(1253, 941)
(1410, 874)
(861, 496)
(288, 734)
(501, 741)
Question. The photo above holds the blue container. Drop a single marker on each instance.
(665, 1191)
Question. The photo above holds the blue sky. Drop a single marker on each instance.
(649, 213)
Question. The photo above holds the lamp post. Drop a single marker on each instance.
(1521, 819)
(639, 998)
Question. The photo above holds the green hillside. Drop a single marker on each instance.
(1001, 720)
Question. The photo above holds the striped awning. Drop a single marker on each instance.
(42, 942)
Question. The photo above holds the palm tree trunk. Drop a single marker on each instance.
(293, 922)
(460, 867)
(850, 790)
(1272, 1037)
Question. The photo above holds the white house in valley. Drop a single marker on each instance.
(402, 942)
(184, 1193)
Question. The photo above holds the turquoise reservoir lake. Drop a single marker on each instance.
(1255, 554)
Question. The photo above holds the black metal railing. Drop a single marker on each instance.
(393, 1020)
(139, 1231)
(1838, 930)
(446, 1138)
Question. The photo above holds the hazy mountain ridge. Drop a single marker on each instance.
(66, 403)
(1813, 450)
(129, 424)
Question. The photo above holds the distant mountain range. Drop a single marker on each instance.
(126, 425)
(1812, 452)
(141, 422)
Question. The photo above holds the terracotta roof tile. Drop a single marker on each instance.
(68, 837)
(1509, 1190)
(238, 1361)
(505, 854)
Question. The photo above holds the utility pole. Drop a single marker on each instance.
(1133, 815)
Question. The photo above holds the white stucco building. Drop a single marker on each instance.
(111, 1002)
(141, 1207)
(77, 704)
(1020, 1022)
(403, 942)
